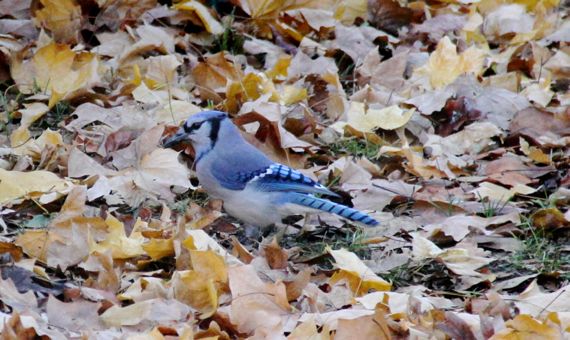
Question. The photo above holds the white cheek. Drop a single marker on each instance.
(200, 137)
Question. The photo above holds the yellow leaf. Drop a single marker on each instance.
(34, 243)
(210, 23)
(531, 4)
(19, 137)
(293, 94)
(58, 70)
(200, 287)
(367, 120)
(249, 88)
(349, 10)
(159, 248)
(209, 264)
(196, 290)
(259, 8)
(188, 243)
(137, 77)
(15, 185)
(359, 277)
(309, 330)
(445, 65)
(31, 113)
(61, 17)
(23, 144)
(525, 327)
(533, 152)
(499, 193)
(280, 67)
(121, 246)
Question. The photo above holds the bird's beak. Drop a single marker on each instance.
(175, 139)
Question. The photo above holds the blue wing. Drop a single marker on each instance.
(278, 177)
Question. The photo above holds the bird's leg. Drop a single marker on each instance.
(281, 230)
(264, 235)
(253, 231)
(267, 233)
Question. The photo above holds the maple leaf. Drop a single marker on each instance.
(62, 17)
(55, 68)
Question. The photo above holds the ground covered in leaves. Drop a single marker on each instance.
(448, 121)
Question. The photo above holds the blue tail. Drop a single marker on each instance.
(334, 208)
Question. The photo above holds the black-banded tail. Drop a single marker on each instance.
(334, 208)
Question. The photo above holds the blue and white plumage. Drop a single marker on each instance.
(254, 189)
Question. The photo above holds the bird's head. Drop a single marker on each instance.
(201, 130)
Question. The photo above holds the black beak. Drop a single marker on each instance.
(175, 139)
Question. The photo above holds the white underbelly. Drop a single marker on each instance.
(252, 207)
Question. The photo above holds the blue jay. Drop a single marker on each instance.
(253, 188)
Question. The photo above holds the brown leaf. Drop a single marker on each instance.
(456, 327)
(541, 127)
(275, 255)
(10, 248)
(14, 330)
(240, 251)
(213, 75)
(367, 327)
(390, 16)
(297, 285)
(508, 170)
(550, 219)
(119, 139)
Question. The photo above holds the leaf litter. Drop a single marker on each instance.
(446, 121)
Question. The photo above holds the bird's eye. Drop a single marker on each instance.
(194, 126)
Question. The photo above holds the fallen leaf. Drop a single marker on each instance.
(31, 113)
(210, 23)
(201, 287)
(10, 295)
(370, 327)
(549, 219)
(368, 119)
(275, 255)
(445, 65)
(309, 330)
(75, 316)
(42, 185)
(499, 193)
(116, 241)
(57, 69)
(62, 18)
(256, 306)
(147, 312)
(158, 248)
(525, 327)
(360, 278)
(534, 153)
(507, 19)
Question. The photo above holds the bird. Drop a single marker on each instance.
(253, 188)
